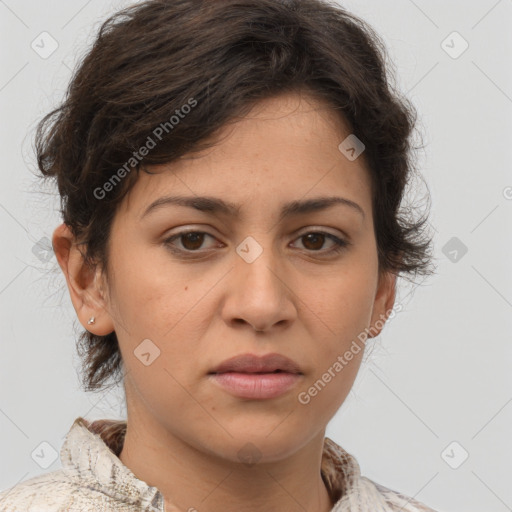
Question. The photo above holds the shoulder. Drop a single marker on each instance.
(49, 492)
(356, 492)
(396, 500)
(369, 496)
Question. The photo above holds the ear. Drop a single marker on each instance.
(383, 303)
(85, 284)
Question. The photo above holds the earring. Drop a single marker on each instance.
(91, 321)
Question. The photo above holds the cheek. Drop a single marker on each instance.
(166, 318)
(336, 359)
(340, 314)
(343, 304)
(171, 399)
(150, 297)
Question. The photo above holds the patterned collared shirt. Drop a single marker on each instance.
(93, 478)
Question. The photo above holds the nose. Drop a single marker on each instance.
(258, 294)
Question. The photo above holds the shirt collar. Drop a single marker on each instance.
(90, 453)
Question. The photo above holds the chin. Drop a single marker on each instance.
(263, 444)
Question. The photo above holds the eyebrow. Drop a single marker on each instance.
(218, 206)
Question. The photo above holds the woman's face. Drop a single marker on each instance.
(249, 281)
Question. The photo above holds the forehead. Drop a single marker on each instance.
(285, 148)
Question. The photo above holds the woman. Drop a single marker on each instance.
(231, 174)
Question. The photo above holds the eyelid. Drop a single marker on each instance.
(301, 232)
(321, 229)
(176, 236)
(340, 242)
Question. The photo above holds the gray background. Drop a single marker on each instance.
(440, 371)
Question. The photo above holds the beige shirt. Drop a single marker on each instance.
(93, 478)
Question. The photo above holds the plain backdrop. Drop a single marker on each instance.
(430, 413)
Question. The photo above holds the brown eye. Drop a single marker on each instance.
(191, 241)
(315, 240)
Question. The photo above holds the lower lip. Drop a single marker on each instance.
(256, 385)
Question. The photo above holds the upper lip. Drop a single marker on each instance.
(251, 363)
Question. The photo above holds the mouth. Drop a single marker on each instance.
(256, 385)
(252, 363)
(249, 373)
(256, 377)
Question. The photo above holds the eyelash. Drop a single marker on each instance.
(340, 244)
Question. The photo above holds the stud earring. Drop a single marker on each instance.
(91, 320)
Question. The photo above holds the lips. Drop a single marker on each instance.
(252, 377)
(251, 363)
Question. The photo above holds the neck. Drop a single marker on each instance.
(199, 481)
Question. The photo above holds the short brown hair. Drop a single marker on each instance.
(152, 58)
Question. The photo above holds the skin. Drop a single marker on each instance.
(184, 432)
